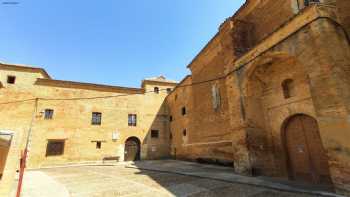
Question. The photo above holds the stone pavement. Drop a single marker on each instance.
(226, 174)
(166, 178)
(43, 185)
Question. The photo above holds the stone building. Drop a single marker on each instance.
(270, 94)
(73, 122)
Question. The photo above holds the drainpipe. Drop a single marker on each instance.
(25, 152)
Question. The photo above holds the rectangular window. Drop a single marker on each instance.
(48, 114)
(132, 120)
(11, 79)
(55, 147)
(170, 118)
(183, 111)
(154, 134)
(98, 145)
(96, 118)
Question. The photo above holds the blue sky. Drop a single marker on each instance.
(110, 41)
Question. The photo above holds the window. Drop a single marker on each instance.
(132, 120)
(154, 134)
(184, 132)
(11, 79)
(170, 118)
(55, 147)
(171, 136)
(168, 90)
(288, 88)
(98, 145)
(96, 118)
(48, 114)
(183, 111)
(308, 2)
(156, 90)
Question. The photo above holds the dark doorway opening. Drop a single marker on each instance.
(132, 150)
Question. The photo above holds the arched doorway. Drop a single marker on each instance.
(132, 149)
(307, 160)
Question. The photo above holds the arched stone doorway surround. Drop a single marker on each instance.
(264, 108)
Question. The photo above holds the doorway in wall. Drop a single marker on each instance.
(132, 150)
(5, 143)
(307, 160)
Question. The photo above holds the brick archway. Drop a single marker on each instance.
(307, 160)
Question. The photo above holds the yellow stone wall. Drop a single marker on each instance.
(72, 121)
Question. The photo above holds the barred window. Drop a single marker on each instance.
(48, 114)
(132, 120)
(96, 118)
(55, 148)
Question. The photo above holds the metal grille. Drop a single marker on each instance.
(96, 118)
(55, 147)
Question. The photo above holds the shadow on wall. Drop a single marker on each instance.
(5, 141)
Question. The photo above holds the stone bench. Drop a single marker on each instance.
(112, 158)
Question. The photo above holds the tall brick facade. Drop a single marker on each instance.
(273, 61)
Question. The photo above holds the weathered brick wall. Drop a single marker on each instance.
(322, 86)
(267, 15)
(180, 97)
(343, 7)
(210, 136)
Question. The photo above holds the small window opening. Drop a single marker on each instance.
(154, 134)
(48, 114)
(183, 111)
(171, 136)
(309, 2)
(156, 90)
(11, 79)
(96, 118)
(168, 90)
(170, 118)
(184, 132)
(132, 120)
(288, 87)
(98, 145)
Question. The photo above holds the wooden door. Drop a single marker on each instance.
(307, 159)
(132, 150)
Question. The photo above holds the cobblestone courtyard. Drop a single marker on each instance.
(130, 180)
